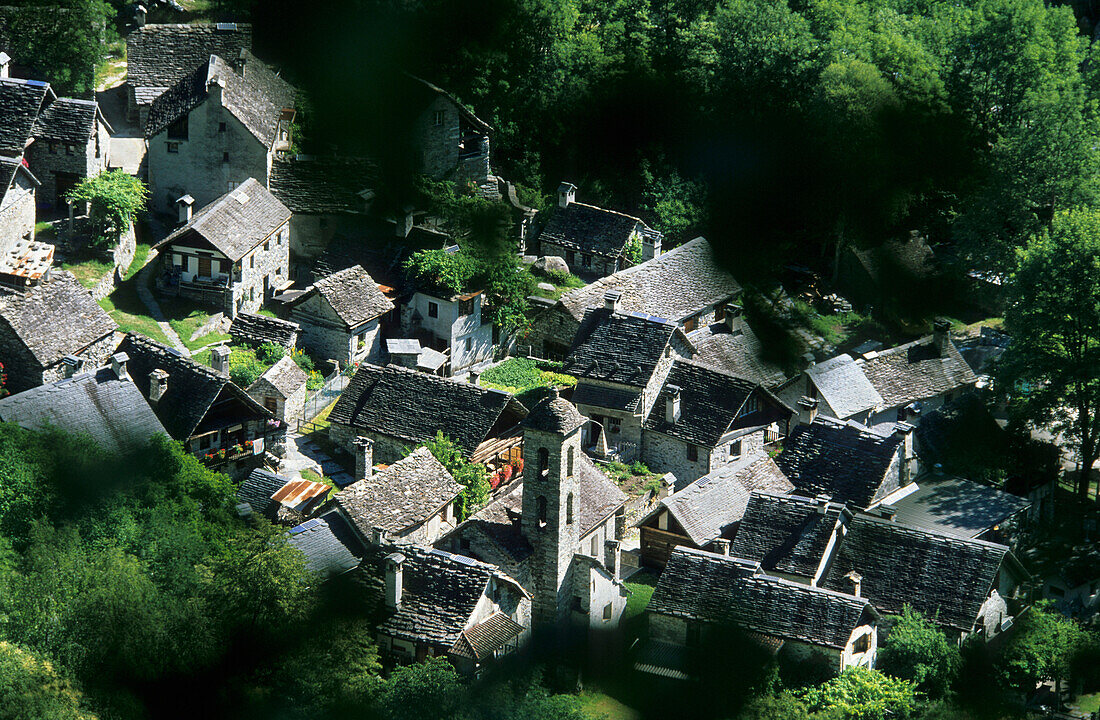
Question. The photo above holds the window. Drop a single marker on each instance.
(433, 310)
(466, 307)
(614, 425)
(221, 127)
(735, 449)
(271, 403)
(692, 453)
(225, 157)
(267, 245)
(863, 643)
(541, 505)
(251, 294)
(569, 509)
(251, 261)
(586, 261)
(689, 324)
(464, 543)
(569, 467)
(469, 344)
(231, 185)
(70, 149)
(173, 147)
(438, 119)
(595, 545)
(719, 314)
(178, 129)
(544, 462)
(361, 340)
(751, 405)
(204, 266)
(204, 442)
(607, 611)
(53, 148)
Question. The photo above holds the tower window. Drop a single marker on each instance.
(541, 503)
(569, 509)
(544, 462)
(569, 464)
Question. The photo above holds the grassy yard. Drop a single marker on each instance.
(44, 231)
(1089, 703)
(525, 378)
(562, 282)
(641, 585)
(141, 252)
(126, 308)
(600, 706)
(186, 317)
(88, 270)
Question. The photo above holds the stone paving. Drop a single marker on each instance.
(302, 453)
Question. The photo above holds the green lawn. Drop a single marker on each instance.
(186, 317)
(600, 706)
(1088, 703)
(141, 251)
(562, 283)
(89, 271)
(44, 231)
(641, 585)
(124, 306)
(525, 378)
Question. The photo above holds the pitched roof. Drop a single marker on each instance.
(285, 376)
(709, 403)
(323, 185)
(942, 576)
(426, 92)
(252, 329)
(607, 397)
(67, 120)
(590, 229)
(844, 460)
(717, 589)
(955, 506)
(708, 507)
(257, 490)
(412, 406)
(329, 545)
(842, 384)
(657, 287)
(158, 56)
(618, 347)
(20, 102)
(9, 167)
(483, 639)
(353, 295)
(739, 354)
(785, 533)
(597, 495)
(111, 411)
(916, 371)
(236, 222)
(401, 497)
(56, 318)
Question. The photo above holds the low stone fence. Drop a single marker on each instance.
(123, 254)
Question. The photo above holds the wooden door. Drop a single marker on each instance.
(204, 266)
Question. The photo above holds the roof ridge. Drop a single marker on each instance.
(607, 210)
(942, 537)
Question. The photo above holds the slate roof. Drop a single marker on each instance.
(916, 371)
(112, 412)
(353, 295)
(589, 229)
(8, 169)
(955, 506)
(739, 354)
(56, 318)
(67, 120)
(323, 185)
(20, 103)
(236, 222)
(192, 388)
(942, 576)
(160, 55)
(846, 461)
(401, 497)
(657, 287)
(785, 533)
(554, 414)
(708, 508)
(709, 403)
(606, 397)
(412, 406)
(597, 495)
(842, 384)
(285, 376)
(252, 329)
(500, 521)
(483, 639)
(257, 490)
(329, 545)
(617, 347)
(426, 92)
(717, 589)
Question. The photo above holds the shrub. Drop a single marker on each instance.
(562, 278)
(639, 468)
(271, 353)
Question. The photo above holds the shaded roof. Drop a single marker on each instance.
(401, 496)
(427, 91)
(412, 405)
(252, 329)
(618, 347)
(329, 545)
(739, 354)
(160, 55)
(785, 533)
(20, 102)
(944, 577)
(236, 222)
(111, 411)
(916, 371)
(709, 403)
(844, 460)
(607, 397)
(257, 491)
(285, 376)
(554, 414)
(597, 495)
(590, 229)
(905, 257)
(658, 287)
(353, 295)
(708, 507)
(56, 318)
(712, 588)
(375, 245)
(68, 120)
(955, 506)
(485, 638)
(843, 385)
(323, 185)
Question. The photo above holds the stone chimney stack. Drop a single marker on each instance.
(733, 318)
(907, 458)
(672, 405)
(612, 557)
(857, 582)
(364, 457)
(118, 364)
(394, 579)
(611, 300)
(667, 487)
(214, 88)
(474, 376)
(404, 224)
(5, 65)
(807, 410)
(219, 359)
(378, 536)
(567, 193)
(941, 336)
(722, 546)
(158, 385)
(185, 204)
(139, 15)
(888, 512)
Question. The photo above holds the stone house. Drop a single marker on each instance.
(17, 217)
(956, 506)
(595, 242)
(281, 389)
(72, 142)
(451, 325)
(840, 387)
(52, 331)
(160, 55)
(704, 514)
(413, 500)
(341, 317)
(728, 344)
(399, 408)
(328, 544)
(704, 599)
(279, 499)
(217, 127)
(453, 143)
(233, 254)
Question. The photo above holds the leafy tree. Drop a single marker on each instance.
(918, 651)
(470, 474)
(773, 707)
(335, 670)
(62, 42)
(428, 690)
(32, 689)
(1050, 370)
(862, 694)
(113, 198)
(1042, 647)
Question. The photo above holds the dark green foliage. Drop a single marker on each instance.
(472, 475)
(31, 688)
(862, 694)
(270, 353)
(113, 198)
(62, 48)
(918, 651)
(1044, 646)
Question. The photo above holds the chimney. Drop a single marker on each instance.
(474, 376)
(672, 405)
(651, 244)
(219, 359)
(118, 364)
(807, 410)
(612, 557)
(214, 88)
(139, 15)
(364, 457)
(904, 432)
(667, 486)
(857, 582)
(394, 579)
(367, 196)
(241, 62)
(611, 300)
(567, 193)
(404, 224)
(941, 336)
(888, 512)
(722, 546)
(5, 65)
(823, 503)
(73, 364)
(185, 204)
(378, 535)
(158, 385)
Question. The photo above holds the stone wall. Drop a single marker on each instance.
(123, 255)
(325, 336)
(553, 327)
(387, 449)
(49, 159)
(666, 628)
(16, 214)
(663, 453)
(95, 355)
(598, 265)
(440, 145)
(271, 260)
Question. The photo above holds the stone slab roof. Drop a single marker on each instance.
(160, 55)
(845, 461)
(618, 347)
(785, 533)
(252, 329)
(485, 638)
(916, 371)
(112, 411)
(554, 414)
(500, 521)
(709, 507)
(709, 403)
(328, 544)
(20, 103)
(401, 497)
(660, 286)
(353, 295)
(739, 354)
(67, 120)
(956, 506)
(412, 406)
(56, 318)
(236, 222)
(589, 229)
(842, 384)
(323, 185)
(712, 588)
(257, 491)
(606, 397)
(597, 495)
(285, 376)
